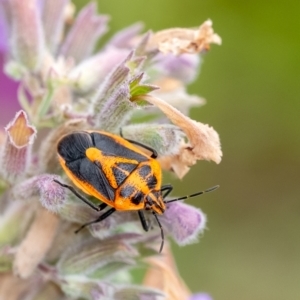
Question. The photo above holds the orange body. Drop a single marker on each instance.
(113, 170)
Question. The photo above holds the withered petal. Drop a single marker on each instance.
(163, 275)
(19, 131)
(204, 142)
(184, 40)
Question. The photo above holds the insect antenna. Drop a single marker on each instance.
(161, 231)
(193, 195)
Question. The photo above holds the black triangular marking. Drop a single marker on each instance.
(128, 167)
(119, 175)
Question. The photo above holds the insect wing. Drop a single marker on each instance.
(116, 146)
(85, 174)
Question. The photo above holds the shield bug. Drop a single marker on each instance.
(116, 172)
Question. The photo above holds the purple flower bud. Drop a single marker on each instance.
(184, 222)
(51, 195)
(53, 10)
(84, 34)
(8, 92)
(119, 75)
(91, 72)
(27, 40)
(201, 296)
(123, 38)
(111, 103)
(184, 67)
(116, 111)
(9, 87)
(15, 157)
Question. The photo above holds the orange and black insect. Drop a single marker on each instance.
(116, 172)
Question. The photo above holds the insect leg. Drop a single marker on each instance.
(167, 188)
(101, 218)
(154, 152)
(78, 195)
(161, 232)
(143, 220)
(102, 206)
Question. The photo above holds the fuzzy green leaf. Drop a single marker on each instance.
(111, 268)
(143, 89)
(88, 258)
(137, 293)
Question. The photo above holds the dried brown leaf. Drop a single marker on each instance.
(164, 276)
(204, 142)
(174, 164)
(183, 40)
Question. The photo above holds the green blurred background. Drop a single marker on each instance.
(251, 83)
